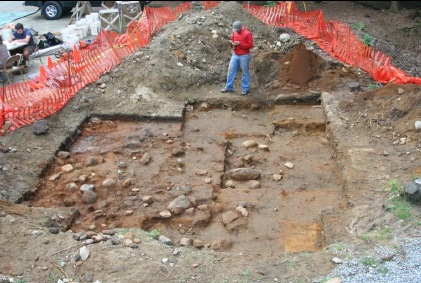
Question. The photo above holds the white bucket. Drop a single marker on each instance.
(6, 34)
(81, 32)
(64, 34)
(71, 27)
(72, 40)
(94, 28)
(95, 16)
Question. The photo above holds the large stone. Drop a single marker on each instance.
(89, 197)
(87, 187)
(198, 244)
(417, 125)
(67, 168)
(413, 192)
(244, 174)
(253, 184)
(146, 158)
(186, 242)
(55, 177)
(284, 37)
(84, 253)
(165, 240)
(92, 161)
(40, 127)
(179, 205)
(178, 152)
(249, 143)
(354, 85)
(221, 244)
(148, 199)
(109, 183)
(229, 217)
(165, 214)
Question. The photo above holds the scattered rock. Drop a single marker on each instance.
(128, 242)
(248, 158)
(289, 165)
(334, 280)
(336, 260)
(84, 253)
(89, 277)
(284, 37)
(148, 199)
(128, 182)
(71, 186)
(165, 260)
(63, 154)
(229, 217)
(413, 192)
(67, 168)
(198, 244)
(186, 242)
(146, 158)
(354, 85)
(92, 161)
(253, 184)
(200, 172)
(137, 241)
(208, 180)
(165, 240)
(103, 85)
(221, 244)
(109, 232)
(165, 214)
(176, 252)
(115, 241)
(230, 184)
(109, 183)
(263, 147)
(243, 211)
(40, 127)
(401, 91)
(244, 174)
(179, 205)
(89, 197)
(178, 152)
(87, 187)
(83, 178)
(54, 177)
(277, 177)
(418, 125)
(53, 230)
(122, 165)
(250, 143)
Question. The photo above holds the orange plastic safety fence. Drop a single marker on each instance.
(335, 38)
(24, 103)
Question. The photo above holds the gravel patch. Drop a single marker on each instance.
(384, 265)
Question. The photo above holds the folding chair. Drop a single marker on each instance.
(110, 18)
(6, 72)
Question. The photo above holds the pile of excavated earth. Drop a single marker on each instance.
(151, 175)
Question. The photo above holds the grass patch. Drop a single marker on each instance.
(153, 234)
(359, 26)
(365, 237)
(398, 206)
(339, 246)
(382, 270)
(369, 261)
(385, 234)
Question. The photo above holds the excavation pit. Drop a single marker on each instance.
(184, 178)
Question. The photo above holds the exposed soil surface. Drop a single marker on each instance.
(162, 132)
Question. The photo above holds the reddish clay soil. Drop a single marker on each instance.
(284, 215)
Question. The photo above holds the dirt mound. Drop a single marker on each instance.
(191, 51)
(300, 66)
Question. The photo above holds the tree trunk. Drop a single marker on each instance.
(395, 7)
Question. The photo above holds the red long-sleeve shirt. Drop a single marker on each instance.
(246, 42)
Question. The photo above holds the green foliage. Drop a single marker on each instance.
(400, 208)
(365, 237)
(418, 223)
(153, 234)
(22, 281)
(359, 26)
(369, 261)
(339, 246)
(373, 86)
(382, 270)
(367, 39)
(270, 4)
(385, 234)
(245, 273)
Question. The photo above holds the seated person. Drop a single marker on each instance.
(23, 35)
(4, 55)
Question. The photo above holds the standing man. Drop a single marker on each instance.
(23, 35)
(242, 41)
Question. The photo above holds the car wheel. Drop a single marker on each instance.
(52, 10)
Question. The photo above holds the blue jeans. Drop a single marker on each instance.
(235, 63)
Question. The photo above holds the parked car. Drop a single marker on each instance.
(53, 10)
